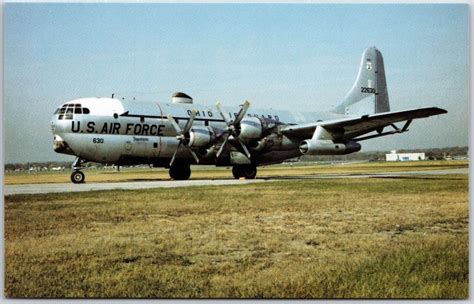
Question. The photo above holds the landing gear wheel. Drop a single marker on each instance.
(180, 172)
(250, 172)
(236, 172)
(247, 171)
(77, 177)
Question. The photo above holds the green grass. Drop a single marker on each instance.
(353, 238)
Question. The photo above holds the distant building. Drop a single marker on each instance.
(447, 156)
(394, 156)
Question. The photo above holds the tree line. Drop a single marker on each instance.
(432, 154)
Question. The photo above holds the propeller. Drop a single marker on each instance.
(181, 135)
(232, 125)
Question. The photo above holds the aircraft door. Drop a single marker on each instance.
(142, 147)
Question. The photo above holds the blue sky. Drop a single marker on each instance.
(293, 56)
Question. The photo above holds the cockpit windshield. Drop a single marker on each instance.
(68, 110)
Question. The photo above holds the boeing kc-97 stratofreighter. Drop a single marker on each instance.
(178, 134)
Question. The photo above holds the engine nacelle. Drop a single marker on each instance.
(251, 128)
(327, 147)
(200, 136)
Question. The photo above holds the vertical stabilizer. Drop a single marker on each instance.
(369, 93)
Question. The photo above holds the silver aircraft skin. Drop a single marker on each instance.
(177, 134)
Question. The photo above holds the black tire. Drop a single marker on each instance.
(247, 171)
(237, 172)
(180, 172)
(77, 177)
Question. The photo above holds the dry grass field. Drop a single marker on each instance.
(338, 238)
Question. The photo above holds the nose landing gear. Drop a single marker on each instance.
(77, 177)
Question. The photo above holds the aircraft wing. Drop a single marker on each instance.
(357, 126)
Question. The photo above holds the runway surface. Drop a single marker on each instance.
(70, 187)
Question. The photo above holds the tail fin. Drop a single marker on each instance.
(369, 93)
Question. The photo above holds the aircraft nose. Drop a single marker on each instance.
(59, 145)
(53, 122)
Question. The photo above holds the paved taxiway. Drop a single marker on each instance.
(70, 187)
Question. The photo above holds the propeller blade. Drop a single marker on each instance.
(180, 135)
(222, 147)
(242, 112)
(244, 147)
(189, 123)
(218, 106)
(192, 153)
(174, 155)
(174, 124)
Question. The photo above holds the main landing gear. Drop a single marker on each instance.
(180, 171)
(77, 177)
(246, 171)
(183, 171)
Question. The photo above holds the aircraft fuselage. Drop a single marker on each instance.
(131, 132)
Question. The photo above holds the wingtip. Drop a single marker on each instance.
(440, 111)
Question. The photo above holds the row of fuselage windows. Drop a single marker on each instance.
(68, 110)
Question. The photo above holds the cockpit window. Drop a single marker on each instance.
(67, 111)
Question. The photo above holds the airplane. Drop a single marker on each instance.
(179, 134)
